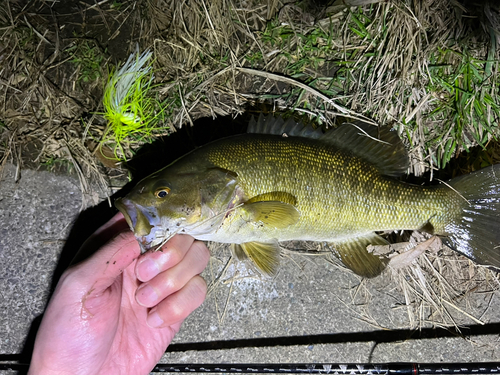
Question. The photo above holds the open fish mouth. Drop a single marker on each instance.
(145, 223)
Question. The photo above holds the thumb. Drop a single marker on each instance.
(101, 236)
(102, 268)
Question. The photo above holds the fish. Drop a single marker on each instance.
(284, 181)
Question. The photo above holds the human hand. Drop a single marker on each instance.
(117, 311)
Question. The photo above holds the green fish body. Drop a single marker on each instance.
(284, 181)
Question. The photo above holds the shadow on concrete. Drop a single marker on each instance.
(149, 159)
(19, 363)
(378, 337)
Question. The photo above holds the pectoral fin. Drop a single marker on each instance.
(354, 255)
(265, 255)
(276, 196)
(273, 214)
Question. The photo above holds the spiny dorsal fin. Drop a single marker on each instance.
(354, 255)
(379, 146)
(277, 126)
(264, 255)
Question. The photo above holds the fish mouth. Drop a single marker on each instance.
(142, 221)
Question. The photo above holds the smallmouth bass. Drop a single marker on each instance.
(285, 181)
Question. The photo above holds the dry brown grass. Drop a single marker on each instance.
(223, 57)
(437, 285)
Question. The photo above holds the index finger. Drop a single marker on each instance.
(153, 262)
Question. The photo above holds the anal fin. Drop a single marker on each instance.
(355, 256)
(264, 255)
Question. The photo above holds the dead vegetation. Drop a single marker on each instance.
(427, 68)
(436, 288)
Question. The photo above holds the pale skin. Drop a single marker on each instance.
(117, 311)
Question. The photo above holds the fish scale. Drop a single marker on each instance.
(337, 194)
(284, 181)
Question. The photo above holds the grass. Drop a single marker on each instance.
(467, 105)
(54, 164)
(388, 62)
(461, 107)
(414, 66)
(87, 58)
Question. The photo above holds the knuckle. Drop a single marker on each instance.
(74, 278)
(199, 286)
(166, 257)
(202, 252)
(70, 276)
(176, 255)
(172, 253)
(173, 313)
(170, 285)
(176, 309)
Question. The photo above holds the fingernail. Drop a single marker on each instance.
(148, 269)
(146, 295)
(154, 320)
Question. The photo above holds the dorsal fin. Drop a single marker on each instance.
(277, 126)
(379, 146)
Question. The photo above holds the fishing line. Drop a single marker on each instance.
(197, 225)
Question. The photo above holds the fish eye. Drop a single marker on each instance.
(162, 192)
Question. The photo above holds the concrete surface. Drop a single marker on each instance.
(313, 311)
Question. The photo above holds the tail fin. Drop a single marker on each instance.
(476, 233)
